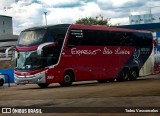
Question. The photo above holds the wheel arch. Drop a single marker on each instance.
(125, 68)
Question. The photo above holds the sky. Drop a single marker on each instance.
(30, 13)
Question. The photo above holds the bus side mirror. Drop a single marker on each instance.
(41, 46)
(16, 55)
(12, 48)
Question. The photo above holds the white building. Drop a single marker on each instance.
(144, 19)
(6, 25)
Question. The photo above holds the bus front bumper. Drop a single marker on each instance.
(30, 79)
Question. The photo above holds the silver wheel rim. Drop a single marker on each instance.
(134, 74)
(67, 78)
(125, 75)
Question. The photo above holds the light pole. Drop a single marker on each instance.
(45, 13)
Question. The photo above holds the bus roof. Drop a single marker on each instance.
(103, 27)
(48, 26)
(84, 26)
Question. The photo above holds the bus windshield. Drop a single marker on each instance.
(31, 37)
(28, 60)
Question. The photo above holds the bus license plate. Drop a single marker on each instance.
(26, 81)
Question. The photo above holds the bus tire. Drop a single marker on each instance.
(124, 75)
(67, 79)
(1, 82)
(43, 85)
(133, 74)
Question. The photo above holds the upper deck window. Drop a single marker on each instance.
(31, 37)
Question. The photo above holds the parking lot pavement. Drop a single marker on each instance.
(6, 85)
(144, 92)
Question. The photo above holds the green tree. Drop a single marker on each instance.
(94, 21)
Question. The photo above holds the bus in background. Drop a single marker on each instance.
(67, 53)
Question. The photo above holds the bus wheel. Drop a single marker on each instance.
(133, 74)
(1, 82)
(67, 79)
(43, 85)
(124, 75)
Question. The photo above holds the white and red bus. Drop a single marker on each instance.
(67, 53)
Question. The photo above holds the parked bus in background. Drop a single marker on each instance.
(67, 53)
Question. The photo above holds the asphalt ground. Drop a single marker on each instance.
(87, 98)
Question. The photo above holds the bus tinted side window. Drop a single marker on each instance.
(102, 38)
(87, 37)
(90, 37)
(51, 53)
(94, 38)
(143, 39)
(97, 38)
(148, 39)
(55, 34)
(130, 39)
(115, 38)
(108, 38)
(75, 38)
